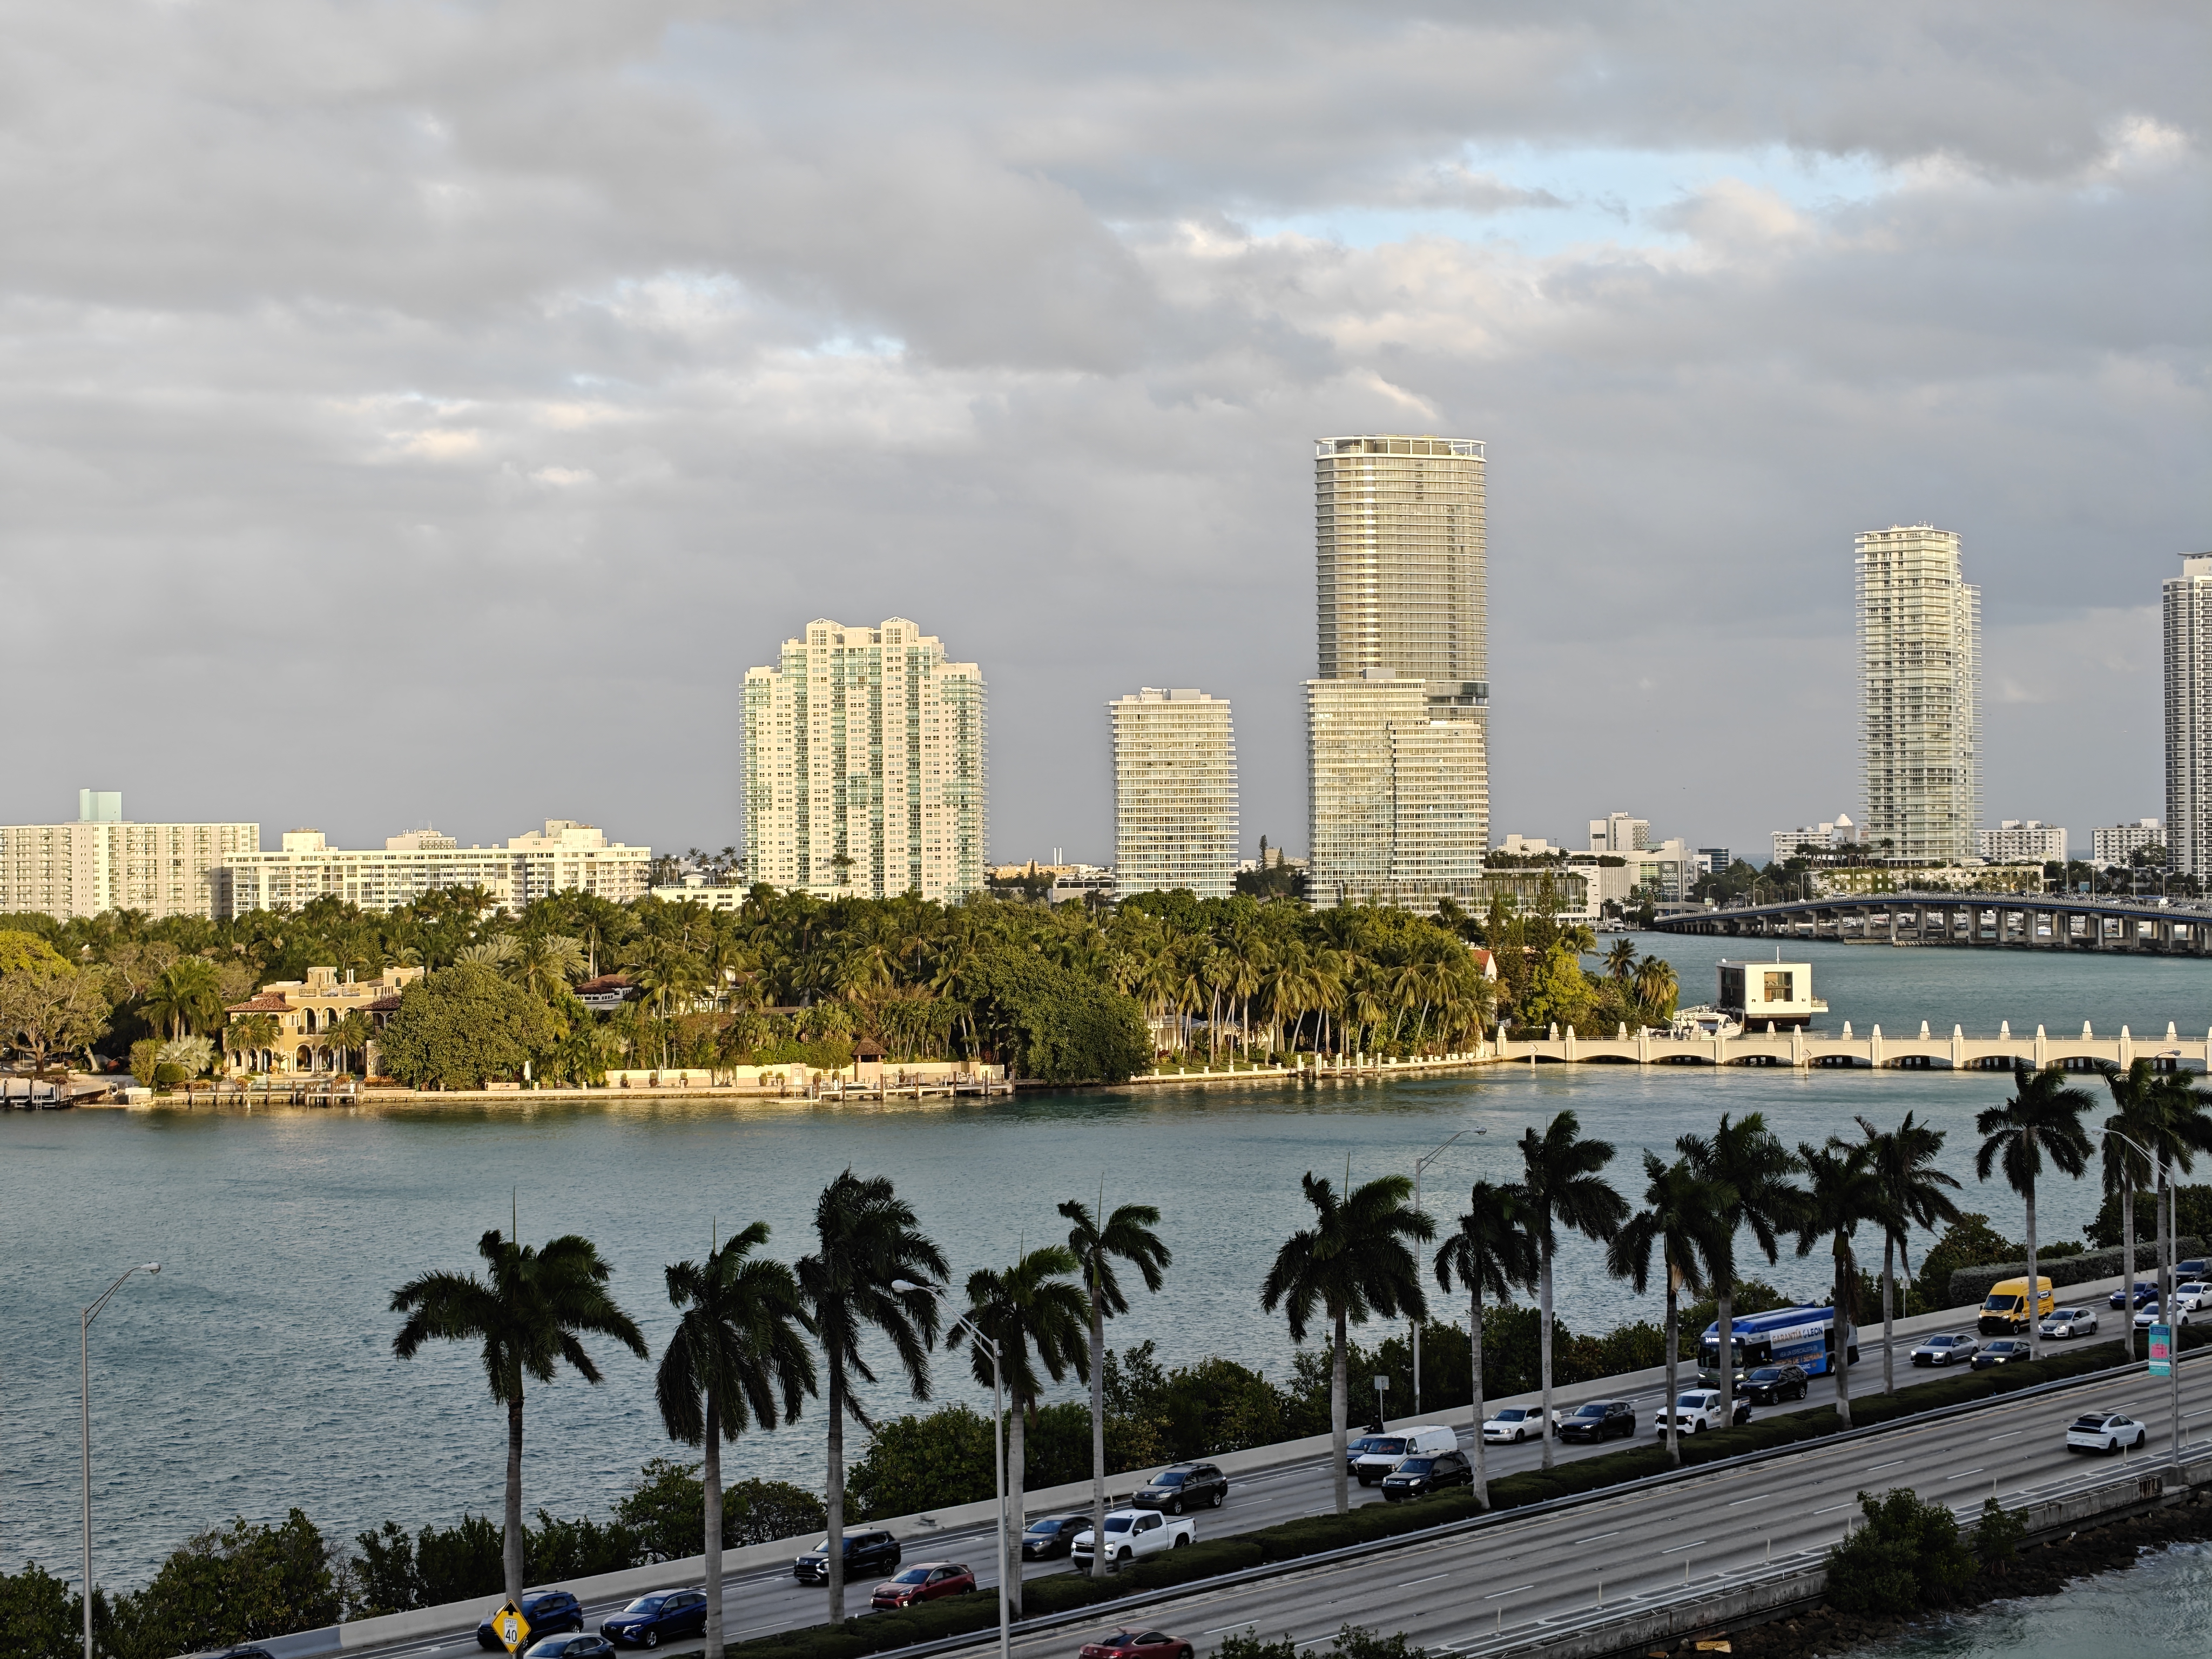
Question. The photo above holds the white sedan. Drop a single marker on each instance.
(2103, 1432)
(2193, 1296)
(1942, 1350)
(2070, 1321)
(2151, 1314)
(1512, 1425)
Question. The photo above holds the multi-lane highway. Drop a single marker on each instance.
(762, 1601)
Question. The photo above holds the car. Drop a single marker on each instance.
(2143, 1290)
(653, 1618)
(1597, 1419)
(1512, 1425)
(1049, 1536)
(928, 1581)
(1379, 1459)
(573, 1646)
(1132, 1533)
(866, 1551)
(2154, 1315)
(2193, 1296)
(2195, 1267)
(1417, 1477)
(1137, 1644)
(1945, 1348)
(2004, 1350)
(2103, 1432)
(2070, 1322)
(548, 1614)
(1770, 1384)
(1184, 1487)
(1354, 1448)
(1696, 1410)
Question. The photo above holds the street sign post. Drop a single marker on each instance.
(2161, 1351)
(510, 1627)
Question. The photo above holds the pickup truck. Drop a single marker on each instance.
(1132, 1533)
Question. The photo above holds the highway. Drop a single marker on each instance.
(760, 1602)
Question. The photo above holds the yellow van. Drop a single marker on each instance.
(2004, 1310)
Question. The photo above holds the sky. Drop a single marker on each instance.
(419, 413)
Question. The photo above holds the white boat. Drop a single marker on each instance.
(1703, 1022)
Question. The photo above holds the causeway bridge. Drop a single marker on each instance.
(1956, 1052)
(2019, 920)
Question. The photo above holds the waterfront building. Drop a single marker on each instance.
(2022, 841)
(1712, 860)
(1398, 809)
(565, 857)
(1175, 794)
(2120, 842)
(102, 861)
(2189, 716)
(306, 1011)
(864, 771)
(1823, 837)
(1920, 636)
(1617, 832)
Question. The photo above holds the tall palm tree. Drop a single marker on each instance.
(1913, 1195)
(1620, 960)
(530, 1313)
(866, 1238)
(1559, 1174)
(1686, 1218)
(1493, 1251)
(1748, 1164)
(1352, 1262)
(1034, 1308)
(2180, 1129)
(740, 1343)
(1126, 1234)
(2138, 1116)
(2044, 1116)
(1656, 987)
(352, 1035)
(185, 996)
(543, 964)
(1844, 1193)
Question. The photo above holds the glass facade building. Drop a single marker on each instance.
(1175, 794)
(1398, 807)
(1919, 628)
(2189, 717)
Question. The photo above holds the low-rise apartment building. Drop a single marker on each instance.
(103, 862)
(567, 857)
(2017, 840)
(2119, 843)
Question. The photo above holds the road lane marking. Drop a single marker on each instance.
(2009, 1434)
(1515, 1590)
(1431, 1579)
(1892, 1464)
(1753, 1499)
(1833, 1508)
(1595, 1536)
(1963, 1474)
(1679, 1548)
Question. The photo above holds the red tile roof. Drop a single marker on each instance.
(269, 1002)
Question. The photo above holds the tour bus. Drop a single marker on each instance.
(2004, 1309)
(1804, 1337)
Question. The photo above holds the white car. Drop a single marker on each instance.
(1512, 1425)
(1945, 1349)
(1132, 1533)
(2193, 1296)
(2103, 1432)
(2070, 1321)
(1696, 1410)
(2150, 1314)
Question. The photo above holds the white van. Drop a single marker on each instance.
(1384, 1451)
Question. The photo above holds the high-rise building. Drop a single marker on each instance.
(1399, 807)
(2118, 843)
(2189, 716)
(104, 862)
(1401, 561)
(1919, 628)
(864, 766)
(1175, 794)
(566, 857)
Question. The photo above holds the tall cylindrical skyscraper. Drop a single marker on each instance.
(2189, 717)
(1920, 671)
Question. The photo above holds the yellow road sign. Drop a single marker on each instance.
(510, 1627)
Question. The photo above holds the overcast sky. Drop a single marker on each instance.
(425, 413)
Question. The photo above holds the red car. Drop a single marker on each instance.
(1133, 1644)
(926, 1583)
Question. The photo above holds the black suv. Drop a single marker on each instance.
(1599, 1419)
(865, 1552)
(1050, 1535)
(549, 1612)
(1184, 1487)
(1417, 1477)
(1772, 1383)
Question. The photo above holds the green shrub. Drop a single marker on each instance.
(245, 1582)
(1908, 1558)
(665, 1511)
(1997, 1537)
(39, 1618)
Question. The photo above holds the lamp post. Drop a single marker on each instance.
(907, 1287)
(1419, 1165)
(84, 1354)
(2165, 1309)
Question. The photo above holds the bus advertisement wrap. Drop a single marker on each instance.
(1802, 1336)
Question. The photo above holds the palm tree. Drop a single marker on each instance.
(1686, 1220)
(2179, 1130)
(1559, 1174)
(1493, 1251)
(739, 1344)
(1352, 1262)
(1620, 960)
(1749, 1164)
(867, 1238)
(543, 964)
(1913, 1196)
(1127, 1234)
(185, 996)
(2138, 1117)
(529, 1312)
(1845, 1191)
(1656, 987)
(2044, 1116)
(1033, 1306)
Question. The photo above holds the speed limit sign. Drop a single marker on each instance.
(510, 1627)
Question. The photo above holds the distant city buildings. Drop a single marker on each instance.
(864, 770)
(2119, 843)
(1825, 836)
(1919, 633)
(104, 862)
(1711, 860)
(1398, 811)
(2189, 716)
(2016, 840)
(1175, 794)
(565, 857)
(1617, 832)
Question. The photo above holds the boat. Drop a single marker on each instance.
(1703, 1022)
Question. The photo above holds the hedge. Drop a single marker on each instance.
(1314, 1534)
(1970, 1285)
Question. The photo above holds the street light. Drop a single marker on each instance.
(84, 1352)
(908, 1287)
(2165, 1309)
(1419, 1165)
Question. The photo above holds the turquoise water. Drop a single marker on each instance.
(2161, 1605)
(256, 1373)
